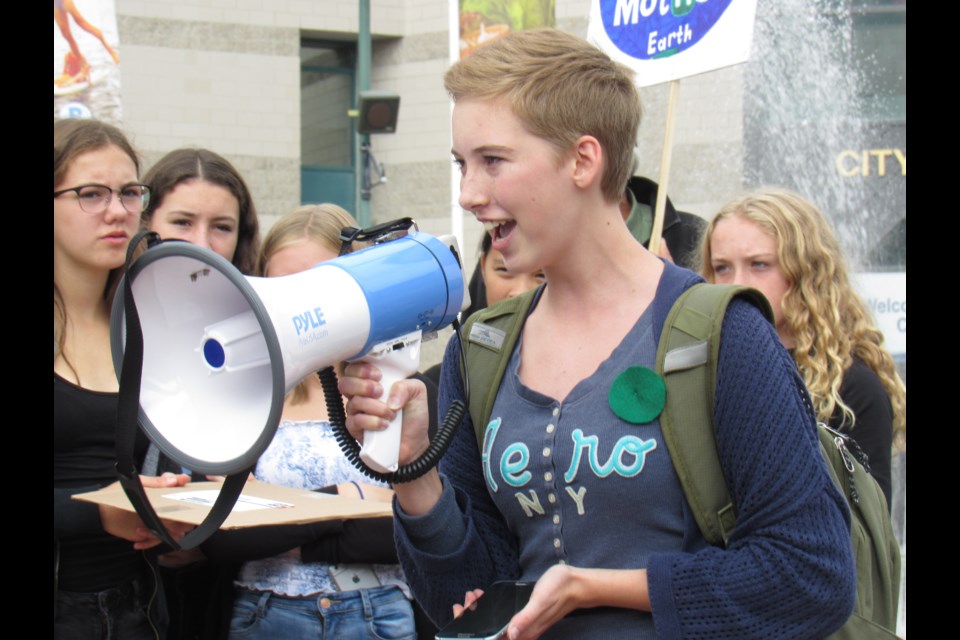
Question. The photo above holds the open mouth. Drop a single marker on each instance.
(500, 231)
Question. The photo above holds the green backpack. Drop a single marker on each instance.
(687, 357)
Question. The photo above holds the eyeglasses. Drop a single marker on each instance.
(95, 198)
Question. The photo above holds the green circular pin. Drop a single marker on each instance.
(638, 395)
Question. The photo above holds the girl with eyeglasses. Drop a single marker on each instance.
(104, 578)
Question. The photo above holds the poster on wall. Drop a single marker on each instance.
(86, 60)
(665, 40)
(483, 21)
(886, 297)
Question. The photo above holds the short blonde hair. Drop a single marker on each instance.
(560, 87)
(318, 223)
(829, 321)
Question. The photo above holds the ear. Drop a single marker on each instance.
(588, 162)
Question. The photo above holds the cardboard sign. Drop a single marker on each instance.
(259, 505)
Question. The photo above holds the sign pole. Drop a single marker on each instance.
(666, 157)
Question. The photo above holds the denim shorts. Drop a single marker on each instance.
(380, 613)
(115, 613)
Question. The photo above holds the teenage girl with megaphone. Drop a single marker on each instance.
(105, 577)
(571, 483)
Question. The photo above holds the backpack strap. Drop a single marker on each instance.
(687, 357)
(491, 334)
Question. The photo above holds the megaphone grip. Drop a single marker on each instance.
(407, 472)
(381, 449)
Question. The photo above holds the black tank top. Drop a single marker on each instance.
(84, 459)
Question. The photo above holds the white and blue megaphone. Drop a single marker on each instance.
(221, 350)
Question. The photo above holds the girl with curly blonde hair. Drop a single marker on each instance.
(778, 242)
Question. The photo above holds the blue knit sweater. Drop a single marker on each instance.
(787, 571)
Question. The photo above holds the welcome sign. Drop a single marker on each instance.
(665, 40)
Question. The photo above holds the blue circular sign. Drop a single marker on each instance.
(75, 110)
(648, 29)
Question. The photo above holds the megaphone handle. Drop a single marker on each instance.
(381, 449)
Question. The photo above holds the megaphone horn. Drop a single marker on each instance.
(220, 350)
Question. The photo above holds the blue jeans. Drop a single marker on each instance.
(118, 613)
(381, 613)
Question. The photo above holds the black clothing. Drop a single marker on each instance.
(682, 231)
(862, 391)
(89, 563)
(84, 459)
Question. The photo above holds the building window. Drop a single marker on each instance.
(327, 90)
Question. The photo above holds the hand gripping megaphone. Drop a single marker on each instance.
(220, 350)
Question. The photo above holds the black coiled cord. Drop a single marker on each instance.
(351, 448)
